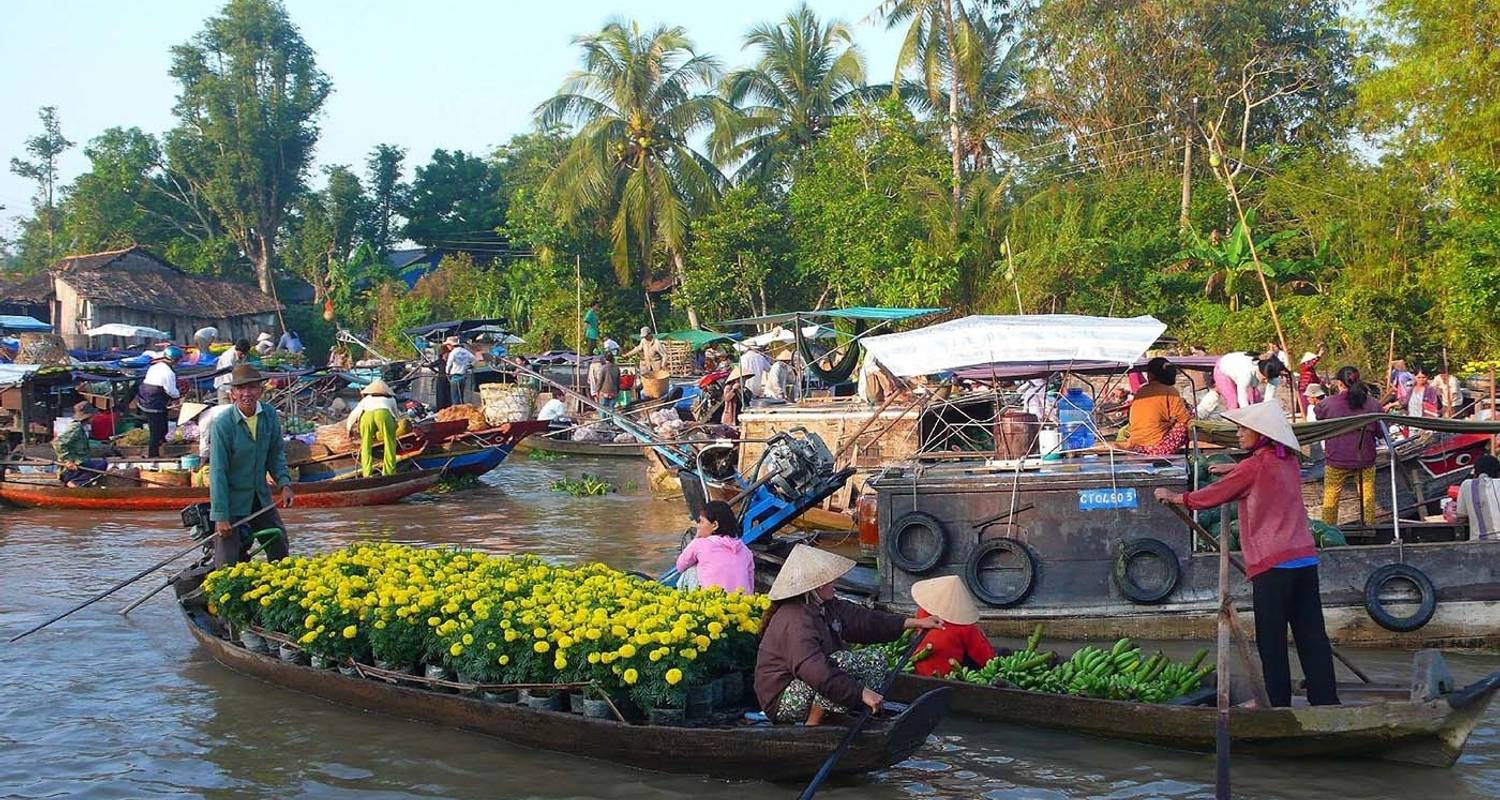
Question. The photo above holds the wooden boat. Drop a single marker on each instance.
(551, 444)
(466, 453)
(323, 494)
(740, 752)
(1426, 723)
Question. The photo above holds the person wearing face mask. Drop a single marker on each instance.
(1242, 380)
(1281, 559)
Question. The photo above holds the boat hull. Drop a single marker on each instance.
(775, 753)
(325, 494)
(550, 445)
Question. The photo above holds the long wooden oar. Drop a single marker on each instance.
(104, 472)
(1208, 537)
(859, 722)
(197, 544)
(147, 596)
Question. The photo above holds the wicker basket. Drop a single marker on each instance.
(655, 384)
(166, 477)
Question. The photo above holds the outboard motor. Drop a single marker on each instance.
(796, 465)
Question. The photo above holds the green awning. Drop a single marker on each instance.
(695, 337)
(855, 312)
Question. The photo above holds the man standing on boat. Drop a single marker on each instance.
(246, 446)
(1281, 559)
(375, 418)
(158, 388)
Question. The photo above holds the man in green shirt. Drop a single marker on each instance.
(245, 446)
(79, 467)
(591, 327)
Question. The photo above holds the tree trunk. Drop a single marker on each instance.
(1187, 180)
(953, 89)
(692, 313)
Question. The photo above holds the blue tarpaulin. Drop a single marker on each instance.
(20, 324)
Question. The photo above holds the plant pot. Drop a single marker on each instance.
(348, 670)
(598, 709)
(502, 696)
(437, 672)
(291, 654)
(733, 685)
(253, 641)
(544, 699)
(699, 702)
(319, 662)
(665, 716)
(576, 702)
(409, 669)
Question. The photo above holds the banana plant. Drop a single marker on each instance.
(1231, 259)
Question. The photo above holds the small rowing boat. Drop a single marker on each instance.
(322, 494)
(1426, 723)
(550, 444)
(735, 752)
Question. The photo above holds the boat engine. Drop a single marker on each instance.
(796, 465)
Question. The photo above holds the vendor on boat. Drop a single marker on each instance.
(375, 415)
(803, 668)
(158, 388)
(457, 365)
(1281, 559)
(79, 467)
(653, 356)
(1479, 500)
(959, 642)
(1352, 454)
(245, 447)
(225, 363)
(1158, 416)
(780, 382)
(1241, 379)
(716, 557)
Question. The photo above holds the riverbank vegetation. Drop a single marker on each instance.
(1061, 155)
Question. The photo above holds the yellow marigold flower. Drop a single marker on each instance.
(594, 658)
(379, 624)
(489, 645)
(627, 650)
(688, 653)
(510, 635)
(655, 655)
(350, 631)
(559, 663)
(674, 676)
(541, 646)
(631, 676)
(309, 637)
(468, 638)
(433, 622)
(456, 649)
(503, 660)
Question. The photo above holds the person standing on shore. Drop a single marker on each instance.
(246, 447)
(1281, 559)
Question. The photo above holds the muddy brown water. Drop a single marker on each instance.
(103, 706)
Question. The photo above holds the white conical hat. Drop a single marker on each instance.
(1265, 418)
(190, 412)
(946, 598)
(806, 569)
(377, 387)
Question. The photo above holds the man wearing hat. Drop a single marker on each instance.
(376, 417)
(460, 360)
(158, 388)
(245, 446)
(79, 467)
(653, 359)
(959, 643)
(803, 667)
(1281, 560)
(780, 381)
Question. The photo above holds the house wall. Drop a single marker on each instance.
(71, 311)
(181, 326)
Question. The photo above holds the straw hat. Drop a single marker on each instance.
(1315, 390)
(264, 337)
(946, 598)
(453, 340)
(784, 355)
(83, 409)
(190, 412)
(734, 375)
(1266, 419)
(806, 569)
(1306, 357)
(245, 374)
(377, 387)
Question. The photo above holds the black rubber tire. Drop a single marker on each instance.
(1015, 596)
(907, 524)
(1426, 606)
(1137, 548)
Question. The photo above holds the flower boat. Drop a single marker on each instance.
(385, 603)
(376, 491)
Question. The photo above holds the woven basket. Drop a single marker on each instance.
(46, 349)
(166, 477)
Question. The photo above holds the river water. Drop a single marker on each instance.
(104, 706)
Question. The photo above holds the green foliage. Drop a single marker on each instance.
(315, 332)
(454, 200)
(740, 261)
(40, 246)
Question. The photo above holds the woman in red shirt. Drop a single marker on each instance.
(959, 642)
(1281, 560)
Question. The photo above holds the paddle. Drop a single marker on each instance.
(115, 474)
(1198, 530)
(197, 544)
(147, 596)
(859, 722)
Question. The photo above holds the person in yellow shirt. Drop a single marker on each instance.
(376, 417)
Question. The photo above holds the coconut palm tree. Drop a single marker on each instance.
(807, 74)
(637, 100)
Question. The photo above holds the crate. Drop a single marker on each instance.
(678, 357)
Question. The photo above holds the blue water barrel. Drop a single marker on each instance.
(1075, 412)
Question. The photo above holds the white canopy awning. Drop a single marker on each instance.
(785, 336)
(1059, 339)
(128, 331)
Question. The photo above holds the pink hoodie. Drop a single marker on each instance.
(722, 561)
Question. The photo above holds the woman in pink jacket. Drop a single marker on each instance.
(717, 557)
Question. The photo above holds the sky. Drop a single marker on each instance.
(455, 74)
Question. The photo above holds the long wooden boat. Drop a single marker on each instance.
(377, 491)
(739, 752)
(1427, 723)
(470, 453)
(551, 444)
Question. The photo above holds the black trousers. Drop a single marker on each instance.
(1289, 597)
(235, 547)
(156, 423)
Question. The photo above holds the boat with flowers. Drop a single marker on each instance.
(377, 491)
(354, 625)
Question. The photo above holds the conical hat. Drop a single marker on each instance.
(377, 387)
(190, 412)
(946, 598)
(1265, 418)
(806, 569)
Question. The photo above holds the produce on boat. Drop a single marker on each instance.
(380, 490)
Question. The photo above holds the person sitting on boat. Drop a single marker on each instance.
(79, 467)
(264, 344)
(375, 414)
(1352, 454)
(1241, 379)
(959, 642)
(716, 556)
(1158, 416)
(802, 667)
(1479, 500)
(158, 388)
(246, 446)
(1281, 559)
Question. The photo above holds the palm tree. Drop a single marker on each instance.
(807, 74)
(636, 101)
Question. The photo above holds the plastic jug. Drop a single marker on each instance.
(1075, 416)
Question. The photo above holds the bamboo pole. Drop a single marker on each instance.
(1493, 439)
(1221, 671)
(578, 328)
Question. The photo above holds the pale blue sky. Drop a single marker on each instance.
(462, 74)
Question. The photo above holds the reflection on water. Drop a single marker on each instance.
(106, 706)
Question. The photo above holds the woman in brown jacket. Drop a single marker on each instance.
(803, 668)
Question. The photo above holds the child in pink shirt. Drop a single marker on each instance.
(717, 557)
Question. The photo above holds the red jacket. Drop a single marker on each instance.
(962, 643)
(1273, 522)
